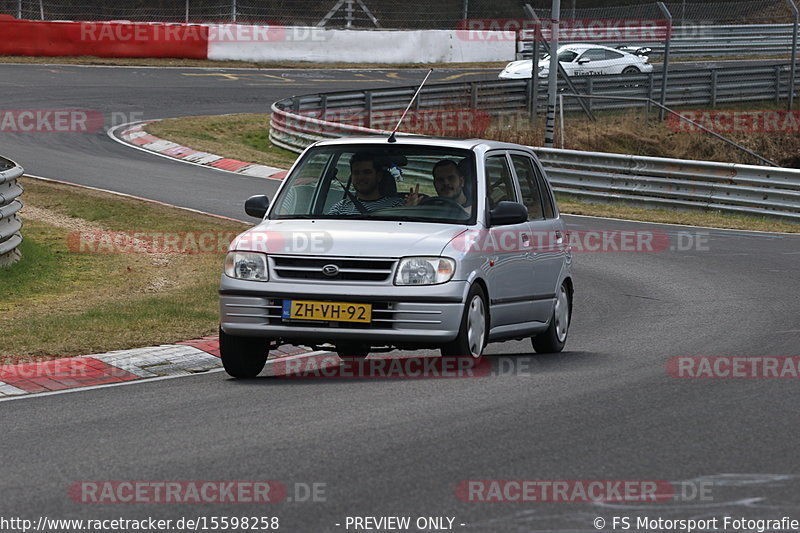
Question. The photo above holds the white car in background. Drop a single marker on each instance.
(585, 60)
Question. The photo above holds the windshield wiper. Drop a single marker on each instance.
(401, 218)
(299, 217)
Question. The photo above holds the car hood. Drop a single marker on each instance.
(519, 66)
(345, 238)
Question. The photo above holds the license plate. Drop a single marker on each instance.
(328, 311)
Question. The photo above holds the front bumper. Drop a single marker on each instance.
(401, 315)
(520, 75)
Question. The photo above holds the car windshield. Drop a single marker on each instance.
(380, 182)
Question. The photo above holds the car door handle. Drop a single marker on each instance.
(559, 237)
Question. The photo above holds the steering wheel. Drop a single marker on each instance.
(439, 201)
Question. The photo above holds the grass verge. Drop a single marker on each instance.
(246, 137)
(91, 292)
(242, 137)
(710, 219)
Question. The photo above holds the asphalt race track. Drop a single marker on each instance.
(605, 409)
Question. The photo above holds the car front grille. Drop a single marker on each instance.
(348, 269)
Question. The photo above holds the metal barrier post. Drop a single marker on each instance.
(665, 74)
(794, 52)
(368, 108)
(546, 47)
(534, 93)
(713, 88)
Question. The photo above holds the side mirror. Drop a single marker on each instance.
(256, 206)
(583, 60)
(507, 213)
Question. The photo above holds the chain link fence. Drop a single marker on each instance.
(411, 14)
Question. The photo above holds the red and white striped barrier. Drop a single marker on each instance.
(271, 42)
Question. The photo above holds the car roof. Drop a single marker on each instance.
(586, 46)
(411, 140)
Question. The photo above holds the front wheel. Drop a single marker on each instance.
(243, 357)
(555, 337)
(472, 334)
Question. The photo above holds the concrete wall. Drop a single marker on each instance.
(365, 46)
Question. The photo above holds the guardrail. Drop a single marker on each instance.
(10, 224)
(721, 40)
(710, 87)
(647, 181)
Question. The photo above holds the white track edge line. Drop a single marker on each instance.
(134, 197)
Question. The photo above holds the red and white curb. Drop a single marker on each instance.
(134, 134)
(169, 360)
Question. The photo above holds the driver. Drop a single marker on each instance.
(448, 180)
(366, 177)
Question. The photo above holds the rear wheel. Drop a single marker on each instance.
(472, 334)
(555, 337)
(243, 357)
(630, 70)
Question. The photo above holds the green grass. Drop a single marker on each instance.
(59, 302)
(242, 137)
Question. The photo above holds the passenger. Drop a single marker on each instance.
(366, 177)
(448, 180)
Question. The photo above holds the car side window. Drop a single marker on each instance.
(499, 186)
(547, 197)
(299, 197)
(531, 196)
(594, 55)
(567, 56)
(610, 54)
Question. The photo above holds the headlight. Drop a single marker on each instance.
(424, 271)
(246, 265)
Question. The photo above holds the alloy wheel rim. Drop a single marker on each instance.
(561, 315)
(476, 326)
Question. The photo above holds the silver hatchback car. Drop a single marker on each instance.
(372, 245)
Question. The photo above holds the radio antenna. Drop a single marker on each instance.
(391, 137)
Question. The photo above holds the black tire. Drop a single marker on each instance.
(472, 335)
(348, 351)
(631, 70)
(243, 357)
(555, 337)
